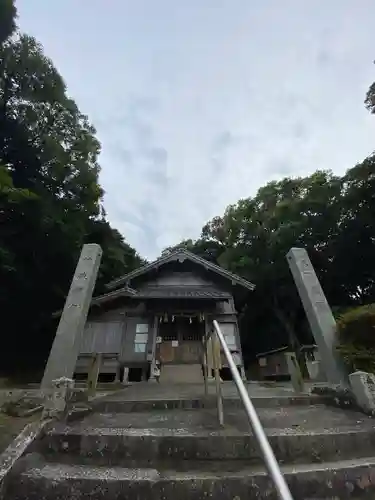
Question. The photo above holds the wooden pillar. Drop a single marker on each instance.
(125, 375)
(216, 361)
(93, 375)
(153, 360)
(204, 347)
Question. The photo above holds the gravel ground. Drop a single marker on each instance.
(10, 427)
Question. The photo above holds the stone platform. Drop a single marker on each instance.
(165, 442)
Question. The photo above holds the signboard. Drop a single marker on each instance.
(236, 359)
(230, 340)
(141, 338)
(158, 340)
(174, 343)
(262, 361)
(141, 328)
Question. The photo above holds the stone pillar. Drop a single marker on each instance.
(363, 387)
(57, 398)
(319, 314)
(65, 349)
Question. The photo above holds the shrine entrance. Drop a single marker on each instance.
(179, 341)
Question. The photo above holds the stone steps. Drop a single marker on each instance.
(113, 404)
(113, 446)
(51, 481)
(195, 435)
(178, 451)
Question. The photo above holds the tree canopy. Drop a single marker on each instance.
(331, 216)
(50, 196)
(51, 204)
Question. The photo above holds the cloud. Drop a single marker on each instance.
(194, 115)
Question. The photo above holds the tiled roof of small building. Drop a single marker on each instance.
(203, 292)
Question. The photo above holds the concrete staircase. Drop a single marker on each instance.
(160, 444)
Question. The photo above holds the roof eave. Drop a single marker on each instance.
(122, 292)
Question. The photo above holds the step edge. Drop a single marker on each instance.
(203, 399)
(179, 433)
(64, 472)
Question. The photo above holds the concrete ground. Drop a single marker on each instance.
(291, 420)
(10, 427)
(144, 391)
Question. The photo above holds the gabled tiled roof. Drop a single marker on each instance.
(181, 254)
(171, 292)
(167, 292)
(122, 292)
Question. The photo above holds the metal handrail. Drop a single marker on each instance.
(269, 458)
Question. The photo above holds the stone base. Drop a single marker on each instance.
(363, 388)
(57, 399)
(337, 395)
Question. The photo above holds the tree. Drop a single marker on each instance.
(354, 248)
(205, 248)
(8, 14)
(256, 235)
(118, 257)
(50, 197)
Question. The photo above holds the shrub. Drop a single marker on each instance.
(356, 336)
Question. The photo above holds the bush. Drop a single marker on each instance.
(356, 335)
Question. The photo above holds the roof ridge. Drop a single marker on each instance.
(193, 257)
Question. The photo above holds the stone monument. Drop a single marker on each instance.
(363, 387)
(319, 314)
(63, 356)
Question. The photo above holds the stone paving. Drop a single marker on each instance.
(146, 391)
(149, 445)
(293, 419)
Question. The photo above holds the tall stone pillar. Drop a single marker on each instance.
(65, 349)
(319, 314)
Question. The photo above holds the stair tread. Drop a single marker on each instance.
(313, 419)
(199, 469)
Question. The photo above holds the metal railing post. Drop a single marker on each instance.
(270, 461)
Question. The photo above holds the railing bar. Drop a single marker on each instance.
(257, 428)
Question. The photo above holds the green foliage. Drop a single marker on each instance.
(356, 333)
(330, 216)
(370, 99)
(8, 14)
(50, 197)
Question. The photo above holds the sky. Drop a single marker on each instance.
(198, 103)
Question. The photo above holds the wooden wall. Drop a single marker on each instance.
(116, 332)
(103, 337)
(177, 279)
